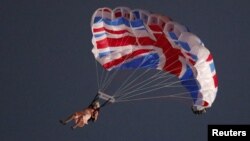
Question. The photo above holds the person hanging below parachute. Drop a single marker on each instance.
(81, 118)
(91, 113)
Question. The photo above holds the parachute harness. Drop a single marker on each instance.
(102, 96)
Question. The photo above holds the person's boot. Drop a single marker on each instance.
(62, 122)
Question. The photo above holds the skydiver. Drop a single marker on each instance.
(81, 118)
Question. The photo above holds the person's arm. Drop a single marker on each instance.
(95, 115)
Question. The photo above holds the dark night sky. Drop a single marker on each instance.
(47, 71)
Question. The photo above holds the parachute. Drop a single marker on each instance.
(134, 40)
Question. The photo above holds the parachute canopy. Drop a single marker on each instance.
(125, 39)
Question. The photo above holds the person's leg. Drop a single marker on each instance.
(79, 124)
(64, 122)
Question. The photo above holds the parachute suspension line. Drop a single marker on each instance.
(150, 79)
(126, 87)
(101, 78)
(97, 75)
(138, 86)
(131, 82)
(128, 94)
(106, 78)
(155, 97)
(118, 92)
(177, 95)
(127, 80)
(142, 86)
(170, 85)
(155, 87)
(162, 82)
(160, 85)
(110, 79)
(149, 89)
(107, 75)
(115, 72)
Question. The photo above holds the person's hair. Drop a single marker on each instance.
(96, 103)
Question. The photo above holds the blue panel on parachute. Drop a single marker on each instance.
(99, 35)
(147, 61)
(212, 68)
(97, 19)
(116, 22)
(137, 23)
(194, 57)
(184, 45)
(190, 83)
(103, 54)
(172, 35)
(136, 14)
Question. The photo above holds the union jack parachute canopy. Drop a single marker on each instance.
(125, 39)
